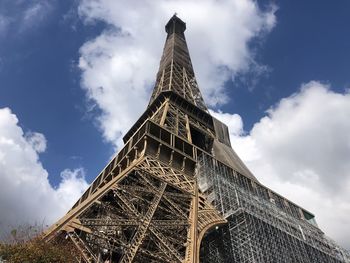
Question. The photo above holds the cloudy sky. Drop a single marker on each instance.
(75, 75)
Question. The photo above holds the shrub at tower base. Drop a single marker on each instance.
(25, 244)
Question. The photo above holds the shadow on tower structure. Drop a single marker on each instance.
(177, 191)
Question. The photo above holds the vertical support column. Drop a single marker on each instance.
(189, 137)
(171, 75)
(165, 111)
(160, 85)
(177, 122)
(192, 251)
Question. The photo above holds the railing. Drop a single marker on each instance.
(150, 138)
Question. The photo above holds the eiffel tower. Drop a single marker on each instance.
(177, 191)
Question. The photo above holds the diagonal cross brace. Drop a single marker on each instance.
(146, 220)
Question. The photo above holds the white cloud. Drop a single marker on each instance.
(19, 16)
(26, 195)
(71, 187)
(119, 66)
(301, 149)
(4, 21)
(37, 141)
(33, 11)
(233, 121)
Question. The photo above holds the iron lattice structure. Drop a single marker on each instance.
(177, 192)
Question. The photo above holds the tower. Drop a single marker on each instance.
(177, 191)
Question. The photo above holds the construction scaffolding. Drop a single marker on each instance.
(262, 226)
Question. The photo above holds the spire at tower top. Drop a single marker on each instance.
(175, 70)
(176, 25)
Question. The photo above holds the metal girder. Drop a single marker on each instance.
(156, 186)
(142, 208)
(109, 222)
(173, 205)
(165, 243)
(168, 174)
(138, 237)
(86, 253)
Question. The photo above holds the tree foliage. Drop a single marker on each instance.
(25, 245)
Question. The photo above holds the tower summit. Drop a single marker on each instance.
(175, 70)
(177, 191)
(175, 25)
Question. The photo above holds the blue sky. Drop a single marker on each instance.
(40, 83)
(54, 56)
(309, 42)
